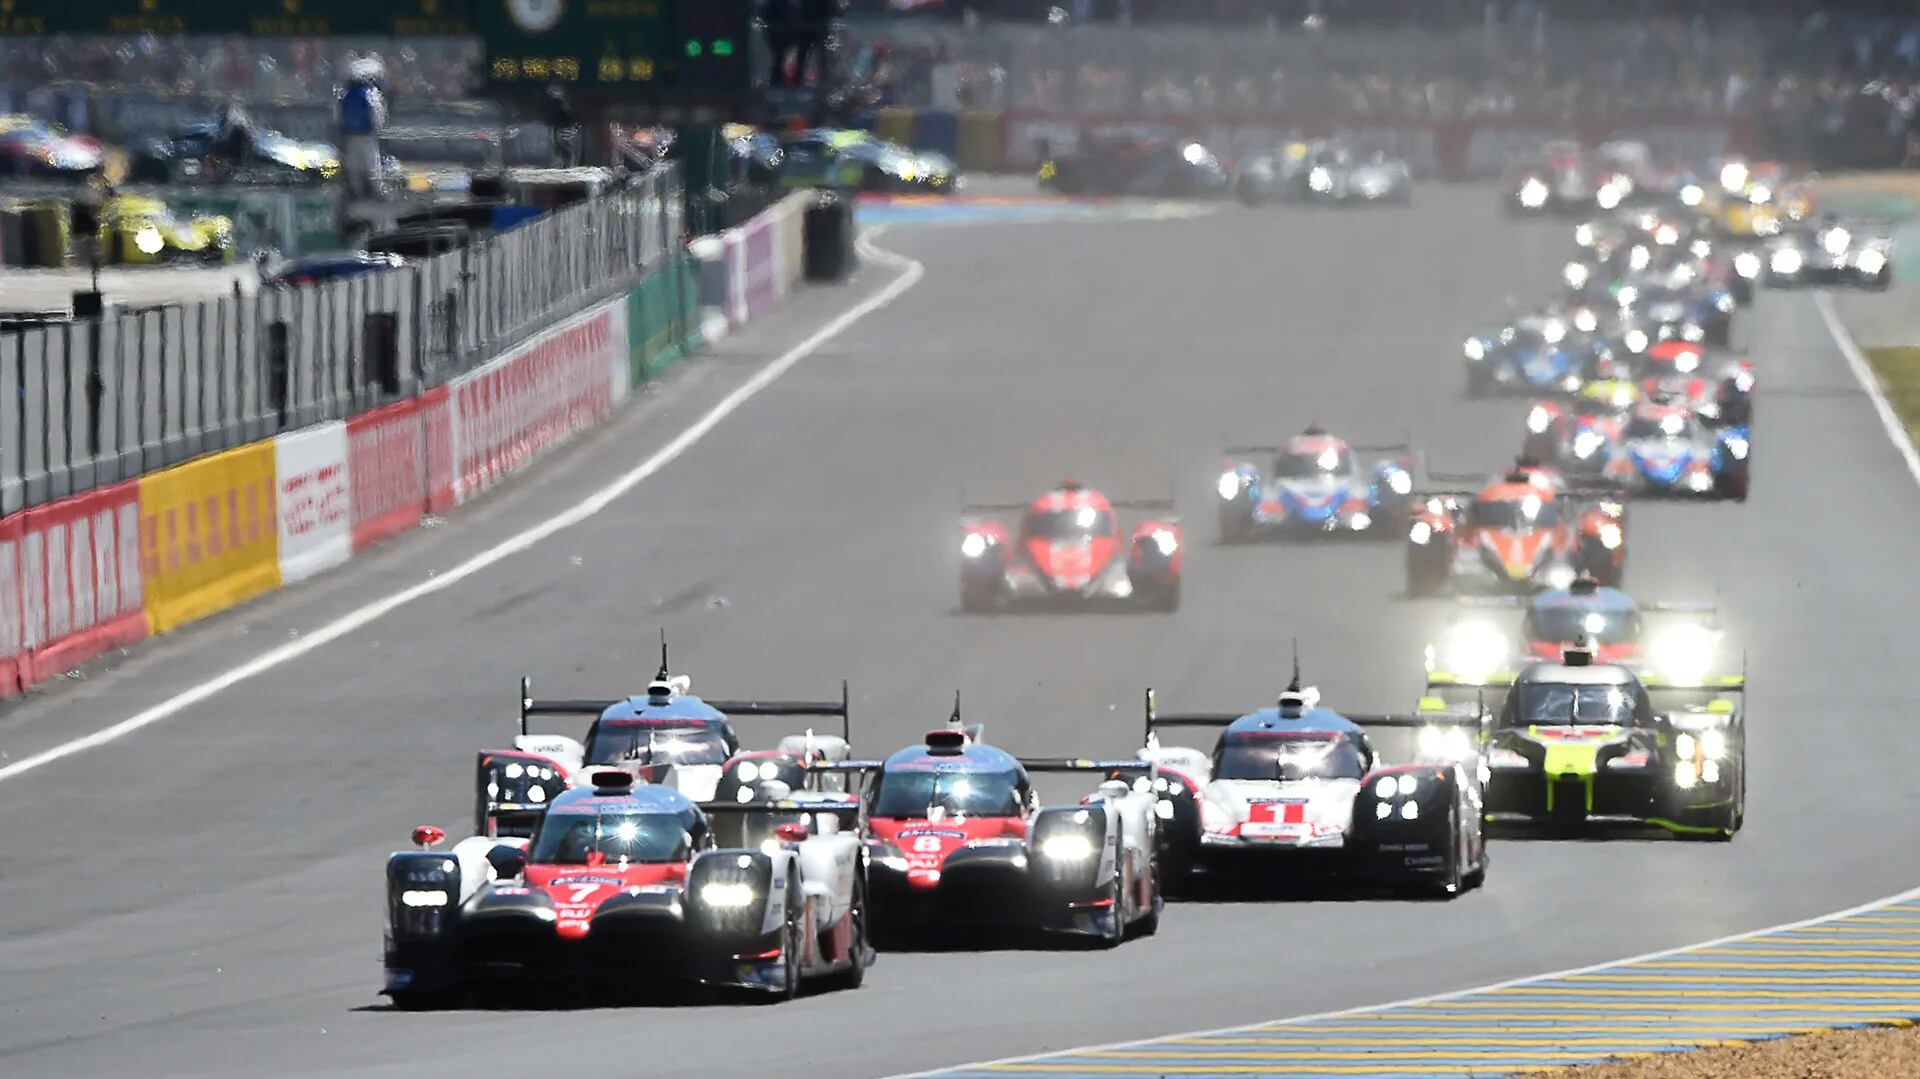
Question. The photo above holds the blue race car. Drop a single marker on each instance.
(1314, 488)
(1675, 306)
(1537, 354)
(1665, 450)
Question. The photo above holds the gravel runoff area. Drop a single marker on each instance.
(1882, 1051)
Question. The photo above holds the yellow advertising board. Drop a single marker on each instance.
(209, 535)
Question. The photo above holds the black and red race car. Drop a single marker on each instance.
(1070, 550)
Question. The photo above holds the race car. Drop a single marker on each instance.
(1753, 199)
(1578, 745)
(1298, 790)
(1857, 254)
(668, 737)
(1525, 530)
(624, 885)
(831, 157)
(1070, 550)
(1663, 449)
(1537, 353)
(1327, 173)
(1716, 387)
(959, 838)
(1679, 305)
(1576, 436)
(1314, 488)
(205, 151)
(1678, 641)
(30, 147)
(1135, 164)
(1556, 180)
(134, 230)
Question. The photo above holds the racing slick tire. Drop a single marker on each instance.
(1236, 523)
(1149, 923)
(1117, 894)
(856, 973)
(977, 597)
(1426, 574)
(1454, 881)
(1164, 598)
(790, 945)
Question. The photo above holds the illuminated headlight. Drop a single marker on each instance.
(1710, 772)
(1870, 261)
(1166, 541)
(1610, 536)
(1067, 848)
(1384, 788)
(1400, 483)
(1539, 419)
(1836, 240)
(1609, 196)
(1627, 296)
(1787, 260)
(1666, 235)
(1636, 340)
(1693, 332)
(1320, 180)
(1586, 443)
(149, 240)
(1684, 775)
(1733, 176)
(1737, 447)
(1583, 235)
(1382, 810)
(729, 895)
(1475, 349)
(1713, 744)
(1684, 654)
(1410, 811)
(427, 897)
(1692, 195)
(1475, 650)
(1639, 258)
(1700, 482)
(1747, 264)
(1724, 303)
(1420, 533)
(1445, 743)
(1553, 332)
(1571, 383)
(1760, 195)
(1360, 521)
(1700, 248)
(974, 545)
(1229, 485)
(1533, 193)
(1560, 576)
(1576, 274)
(1585, 320)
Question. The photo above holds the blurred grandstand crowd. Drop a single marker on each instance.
(253, 69)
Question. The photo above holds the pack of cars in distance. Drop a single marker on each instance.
(658, 850)
(1165, 163)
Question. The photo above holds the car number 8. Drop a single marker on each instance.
(926, 844)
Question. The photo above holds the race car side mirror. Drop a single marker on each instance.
(427, 836)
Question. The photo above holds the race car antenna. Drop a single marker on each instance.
(954, 719)
(1294, 686)
(663, 675)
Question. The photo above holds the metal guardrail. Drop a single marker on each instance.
(90, 402)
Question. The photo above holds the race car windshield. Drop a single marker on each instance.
(1265, 757)
(1514, 513)
(577, 838)
(618, 743)
(1571, 623)
(1076, 523)
(1295, 465)
(1563, 706)
(910, 793)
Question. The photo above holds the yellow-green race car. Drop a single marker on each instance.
(138, 231)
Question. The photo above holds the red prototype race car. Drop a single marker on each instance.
(1070, 550)
(1526, 529)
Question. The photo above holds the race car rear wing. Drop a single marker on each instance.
(851, 814)
(531, 707)
(1395, 720)
(1121, 766)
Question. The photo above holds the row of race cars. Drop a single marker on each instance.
(658, 852)
(1334, 172)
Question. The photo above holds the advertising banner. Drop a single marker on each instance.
(209, 535)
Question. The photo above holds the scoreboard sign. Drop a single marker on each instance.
(691, 51)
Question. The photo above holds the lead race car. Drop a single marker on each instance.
(627, 885)
(1070, 551)
(1526, 529)
(959, 838)
(1578, 745)
(667, 736)
(1314, 487)
(1298, 789)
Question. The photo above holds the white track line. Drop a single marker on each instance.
(1414, 1002)
(911, 271)
(1897, 432)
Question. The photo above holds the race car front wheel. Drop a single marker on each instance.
(856, 972)
(791, 949)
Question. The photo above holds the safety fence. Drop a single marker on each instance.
(130, 557)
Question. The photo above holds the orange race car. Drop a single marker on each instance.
(1526, 529)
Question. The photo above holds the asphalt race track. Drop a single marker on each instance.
(203, 896)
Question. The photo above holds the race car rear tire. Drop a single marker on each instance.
(976, 597)
(1166, 597)
(1425, 576)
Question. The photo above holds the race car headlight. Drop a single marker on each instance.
(1475, 349)
(1836, 240)
(1166, 541)
(974, 545)
(727, 895)
(1627, 296)
(1733, 176)
(1553, 332)
(1539, 419)
(1576, 275)
(1666, 235)
(1533, 193)
(1420, 533)
(1684, 654)
(1400, 483)
(1760, 195)
(1067, 848)
(1787, 260)
(1639, 258)
(1692, 331)
(1870, 261)
(1585, 320)
(148, 240)
(1724, 303)
(1583, 235)
(1445, 743)
(1360, 521)
(1747, 264)
(1320, 180)
(425, 897)
(1737, 447)
(1586, 443)
(1700, 248)
(1609, 195)
(1685, 775)
(1635, 340)
(1713, 744)
(1229, 486)
(1692, 195)
(1475, 650)
(1610, 536)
